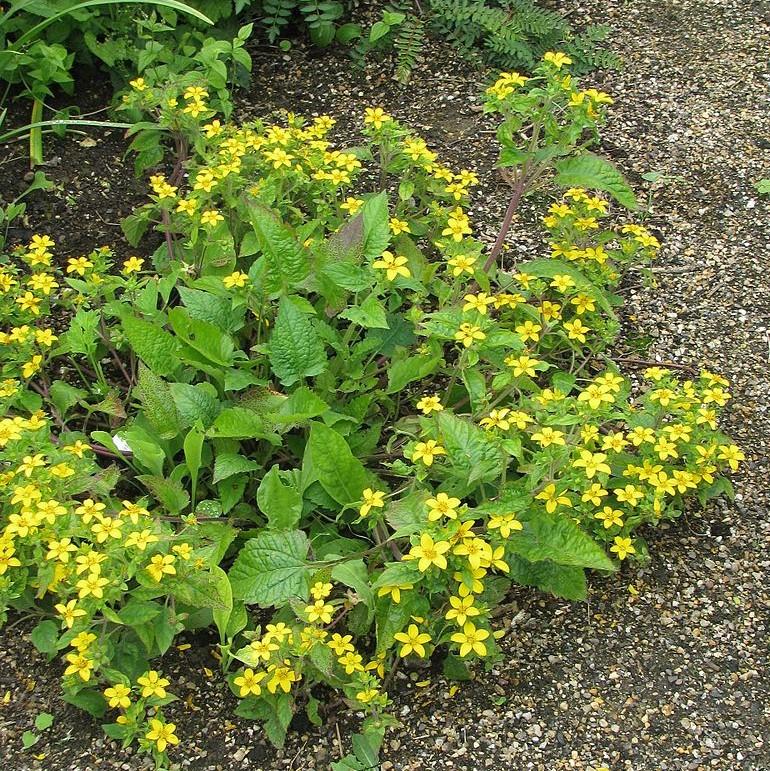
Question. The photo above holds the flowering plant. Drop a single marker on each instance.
(313, 421)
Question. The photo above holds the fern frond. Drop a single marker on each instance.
(408, 44)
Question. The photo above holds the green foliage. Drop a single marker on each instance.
(313, 421)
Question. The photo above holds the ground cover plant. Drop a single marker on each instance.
(324, 419)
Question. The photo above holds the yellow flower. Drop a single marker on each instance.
(321, 590)
(552, 498)
(79, 665)
(547, 436)
(138, 84)
(522, 365)
(32, 366)
(468, 333)
(558, 59)
(152, 684)
(211, 217)
(398, 226)
(118, 696)
(393, 265)
(622, 547)
(592, 462)
(79, 265)
(457, 225)
(160, 565)
(212, 129)
(28, 302)
(594, 494)
(462, 263)
(610, 517)
(319, 611)
(132, 265)
(732, 454)
(340, 644)
(82, 641)
(429, 552)
(69, 612)
(413, 641)
(376, 117)
(576, 330)
(426, 451)
(442, 506)
(470, 640)
(45, 337)
(529, 331)
(162, 734)
(92, 585)
(353, 662)
(497, 419)
(60, 550)
(282, 678)
(352, 205)
(372, 499)
(394, 591)
(462, 608)
(506, 523)
(428, 404)
(478, 302)
(248, 683)
(235, 279)
(187, 206)
(141, 539)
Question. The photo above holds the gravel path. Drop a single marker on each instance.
(665, 667)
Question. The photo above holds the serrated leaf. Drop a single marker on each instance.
(335, 467)
(271, 569)
(152, 344)
(286, 261)
(195, 403)
(595, 173)
(557, 538)
(228, 464)
(471, 452)
(157, 403)
(370, 314)
(280, 503)
(295, 350)
(563, 581)
(376, 228)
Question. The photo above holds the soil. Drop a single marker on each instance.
(665, 666)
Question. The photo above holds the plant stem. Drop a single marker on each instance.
(518, 192)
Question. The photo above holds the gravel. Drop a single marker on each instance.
(665, 666)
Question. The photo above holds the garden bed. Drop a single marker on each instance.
(665, 666)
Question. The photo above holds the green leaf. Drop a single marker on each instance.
(64, 396)
(241, 423)
(222, 615)
(558, 538)
(593, 172)
(43, 720)
(157, 402)
(228, 464)
(471, 452)
(202, 590)
(354, 574)
(280, 503)
(271, 569)
(45, 636)
(560, 580)
(209, 308)
(376, 228)
(193, 451)
(404, 371)
(168, 491)
(348, 276)
(286, 261)
(369, 314)
(91, 701)
(455, 668)
(295, 350)
(335, 467)
(195, 403)
(152, 344)
(204, 338)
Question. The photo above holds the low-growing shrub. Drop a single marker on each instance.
(315, 422)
